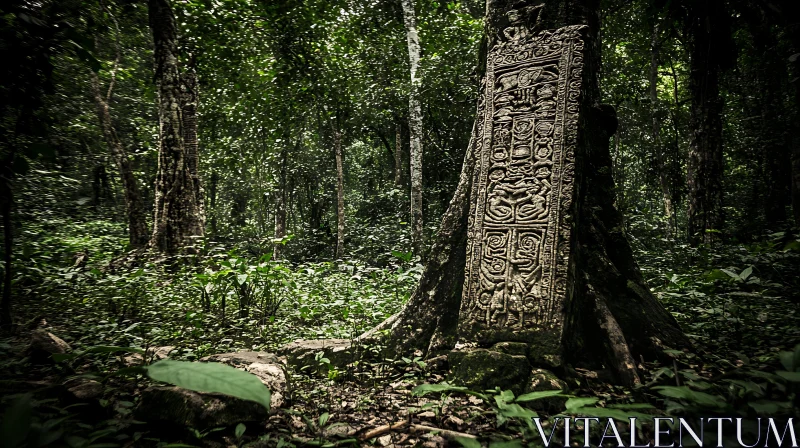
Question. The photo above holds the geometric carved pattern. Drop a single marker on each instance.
(519, 231)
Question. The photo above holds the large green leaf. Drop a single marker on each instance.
(467, 442)
(17, 421)
(790, 376)
(699, 398)
(580, 402)
(424, 389)
(211, 377)
(538, 395)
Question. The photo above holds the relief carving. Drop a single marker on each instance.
(519, 229)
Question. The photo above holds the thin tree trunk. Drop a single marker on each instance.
(176, 220)
(398, 156)
(705, 168)
(619, 174)
(134, 206)
(414, 126)
(280, 205)
(6, 206)
(658, 146)
(190, 99)
(794, 36)
(337, 146)
(212, 202)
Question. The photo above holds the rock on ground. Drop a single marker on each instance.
(183, 407)
(266, 366)
(482, 369)
(302, 353)
(152, 354)
(542, 380)
(208, 410)
(44, 345)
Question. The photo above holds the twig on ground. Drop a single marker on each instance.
(381, 430)
(443, 432)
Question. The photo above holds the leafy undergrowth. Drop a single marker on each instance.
(738, 304)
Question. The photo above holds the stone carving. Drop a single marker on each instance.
(519, 230)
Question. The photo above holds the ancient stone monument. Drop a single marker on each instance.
(549, 279)
(519, 234)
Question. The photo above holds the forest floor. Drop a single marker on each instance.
(738, 303)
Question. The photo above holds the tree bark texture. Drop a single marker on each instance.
(659, 149)
(134, 205)
(280, 205)
(398, 156)
(775, 143)
(705, 164)
(190, 98)
(793, 30)
(611, 316)
(176, 221)
(6, 207)
(337, 147)
(414, 125)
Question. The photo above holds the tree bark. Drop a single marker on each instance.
(176, 221)
(705, 165)
(280, 206)
(658, 147)
(398, 156)
(337, 146)
(414, 126)
(611, 316)
(775, 143)
(793, 30)
(6, 207)
(190, 99)
(134, 206)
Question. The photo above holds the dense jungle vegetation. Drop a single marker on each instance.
(184, 178)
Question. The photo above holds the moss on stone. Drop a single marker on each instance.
(541, 380)
(511, 348)
(483, 369)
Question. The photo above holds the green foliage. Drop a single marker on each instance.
(211, 377)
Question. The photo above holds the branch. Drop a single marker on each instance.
(118, 52)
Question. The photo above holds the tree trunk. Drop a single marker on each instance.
(414, 126)
(398, 156)
(337, 146)
(793, 12)
(190, 98)
(212, 202)
(280, 206)
(775, 143)
(609, 315)
(134, 206)
(6, 206)
(177, 219)
(705, 168)
(658, 146)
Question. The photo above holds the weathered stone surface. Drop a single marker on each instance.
(512, 348)
(482, 369)
(204, 410)
(519, 233)
(545, 380)
(303, 352)
(195, 410)
(266, 366)
(152, 354)
(84, 389)
(45, 344)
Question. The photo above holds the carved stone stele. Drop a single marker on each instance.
(519, 237)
